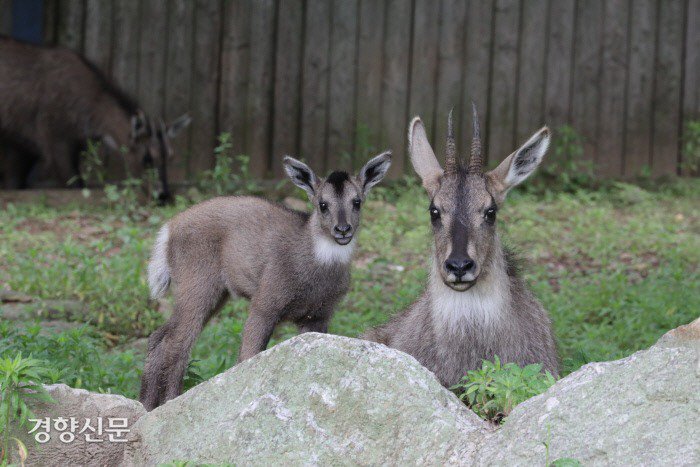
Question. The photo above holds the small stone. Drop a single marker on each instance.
(81, 405)
(10, 296)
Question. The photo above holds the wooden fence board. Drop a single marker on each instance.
(611, 116)
(691, 77)
(586, 83)
(5, 17)
(560, 47)
(531, 70)
(640, 87)
(315, 82)
(341, 98)
(69, 24)
(477, 67)
(178, 79)
(503, 80)
(395, 82)
(98, 34)
(450, 72)
(290, 35)
(152, 54)
(667, 88)
(205, 80)
(50, 21)
(323, 78)
(235, 58)
(123, 62)
(370, 64)
(262, 53)
(125, 49)
(424, 56)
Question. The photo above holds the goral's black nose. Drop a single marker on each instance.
(459, 266)
(342, 229)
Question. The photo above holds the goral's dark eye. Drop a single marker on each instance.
(490, 215)
(323, 206)
(356, 203)
(434, 213)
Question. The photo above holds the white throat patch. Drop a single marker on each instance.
(328, 252)
(482, 306)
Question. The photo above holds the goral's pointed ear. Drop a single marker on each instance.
(423, 158)
(301, 175)
(374, 171)
(519, 165)
(179, 124)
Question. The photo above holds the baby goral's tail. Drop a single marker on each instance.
(158, 269)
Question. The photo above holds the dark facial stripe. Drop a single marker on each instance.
(460, 235)
(342, 218)
(459, 229)
(337, 179)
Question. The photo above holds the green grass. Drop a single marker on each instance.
(615, 269)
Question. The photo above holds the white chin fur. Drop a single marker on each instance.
(328, 252)
(482, 305)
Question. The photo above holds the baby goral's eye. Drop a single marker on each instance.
(323, 206)
(434, 213)
(490, 215)
(356, 203)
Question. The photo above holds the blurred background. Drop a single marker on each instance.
(332, 80)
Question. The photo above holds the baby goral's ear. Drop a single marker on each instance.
(374, 171)
(179, 124)
(519, 165)
(301, 175)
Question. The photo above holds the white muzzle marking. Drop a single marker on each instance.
(327, 251)
(483, 305)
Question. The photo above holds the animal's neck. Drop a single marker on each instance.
(110, 119)
(484, 305)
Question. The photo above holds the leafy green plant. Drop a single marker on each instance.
(564, 168)
(691, 147)
(193, 376)
(124, 197)
(566, 462)
(20, 382)
(92, 169)
(181, 463)
(560, 462)
(77, 358)
(227, 177)
(495, 389)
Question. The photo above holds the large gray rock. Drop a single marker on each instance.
(79, 404)
(314, 399)
(321, 399)
(641, 410)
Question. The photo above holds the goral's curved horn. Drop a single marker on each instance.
(450, 148)
(476, 161)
